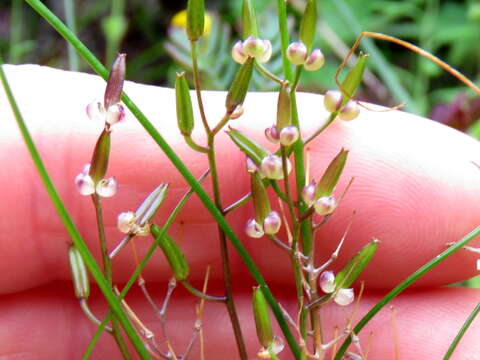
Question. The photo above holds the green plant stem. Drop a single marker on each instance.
(317, 132)
(461, 332)
(71, 23)
(201, 294)
(284, 39)
(266, 73)
(190, 142)
(196, 80)
(15, 31)
(227, 277)
(90, 315)
(70, 226)
(405, 284)
(57, 24)
(221, 124)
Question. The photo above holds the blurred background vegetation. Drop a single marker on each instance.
(151, 33)
(157, 48)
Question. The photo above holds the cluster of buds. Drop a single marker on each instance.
(266, 221)
(328, 285)
(270, 167)
(297, 54)
(323, 205)
(333, 102)
(91, 179)
(259, 49)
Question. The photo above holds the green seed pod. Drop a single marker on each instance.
(172, 252)
(330, 178)
(99, 163)
(195, 19)
(261, 203)
(238, 90)
(81, 283)
(184, 105)
(249, 147)
(284, 117)
(354, 78)
(262, 318)
(113, 91)
(249, 20)
(308, 24)
(355, 266)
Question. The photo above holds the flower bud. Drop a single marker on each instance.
(81, 283)
(327, 282)
(272, 223)
(262, 318)
(315, 61)
(113, 91)
(297, 53)
(332, 100)
(238, 54)
(325, 205)
(253, 229)
(271, 167)
(272, 135)
(308, 194)
(267, 53)
(107, 187)
(126, 221)
(344, 297)
(288, 135)
(350, 111)
(115, 114)
(85, 184)
(254, 47)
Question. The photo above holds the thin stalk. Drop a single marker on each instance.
(240, 202)
(70, 226)
(317, 132)
(71, 23)
(221, 124)
(196, 80)
(190, 142)
(16, 28)
(90, 315)
(201, 294)
(227, 276)
(461, 332)
(57, 24)
(266, 73)
(405, 284)
(284, 39)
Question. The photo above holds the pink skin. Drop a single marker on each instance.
(415, 189)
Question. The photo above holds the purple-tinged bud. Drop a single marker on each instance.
(325, 205)
(253, 229)
(327, 281)
(272, 135)
(308, 194)
(315, 61)
(251, 166)
(107, 187)
(113, 92)
(288, 135)
(297, 53)
(95, 111)
(115, 114)
(85, 184)
(272, 223)
(344, 297)
(126, 221)
(254, 47)
(267, 54)
(332, 100)
(238, 54)
(271, 167)
(350, 111)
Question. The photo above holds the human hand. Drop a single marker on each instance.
(415, 189)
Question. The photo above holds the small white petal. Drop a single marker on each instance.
(350, 111)
(85, 184)
(253, 229)
(125, 221)
(95, 111)
(308, 194)
(238, 54)
(115, 114)
(325, 205)
(327, 282)
(344, 297)
(107, 187)
(332, 100)
(272, 223)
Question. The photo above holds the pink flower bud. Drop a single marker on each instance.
(254, 47)
(344, 297)
(327, 282)
(253, 229)
(272, 135)
(297, 53)
(115, 114)
(238, 54)
(288, 135)
(315, 61)
(325, 205)
(107, 187)
(126, 221)
(271, 167)
(85, 184)
(308, 194)
(350, 111)
(272, 223)
(267, 54)
(332, 100)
